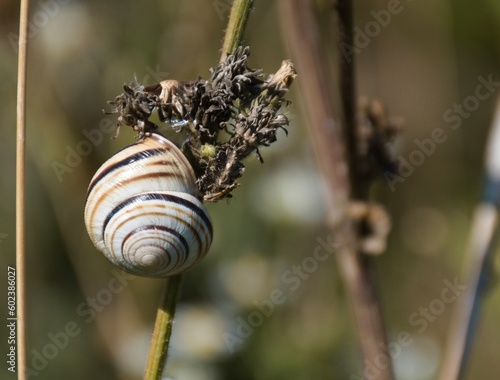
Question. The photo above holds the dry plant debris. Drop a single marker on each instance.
(225, 117)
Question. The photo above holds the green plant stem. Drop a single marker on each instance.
(158, 349)
(238, 18)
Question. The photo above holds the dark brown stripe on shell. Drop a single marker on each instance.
(133, 158)
(165, 197)
(160, 228)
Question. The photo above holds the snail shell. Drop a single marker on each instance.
(142, 210)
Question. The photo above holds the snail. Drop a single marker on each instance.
(143, 213)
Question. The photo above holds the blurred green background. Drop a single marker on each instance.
(88, 321)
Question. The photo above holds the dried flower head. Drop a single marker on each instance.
(225, 118)
(376, 132)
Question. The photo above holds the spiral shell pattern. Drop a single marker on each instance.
(142, 210)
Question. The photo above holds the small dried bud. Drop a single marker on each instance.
(284, 77)
(168, 90)
(375, 133)
(374, 225)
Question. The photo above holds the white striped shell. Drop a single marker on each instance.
(142, 212)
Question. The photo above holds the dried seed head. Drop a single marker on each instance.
(225, 118)
(375, 131)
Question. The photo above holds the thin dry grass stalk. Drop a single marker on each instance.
(20, 191)
(478, 265)
(333, 156)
